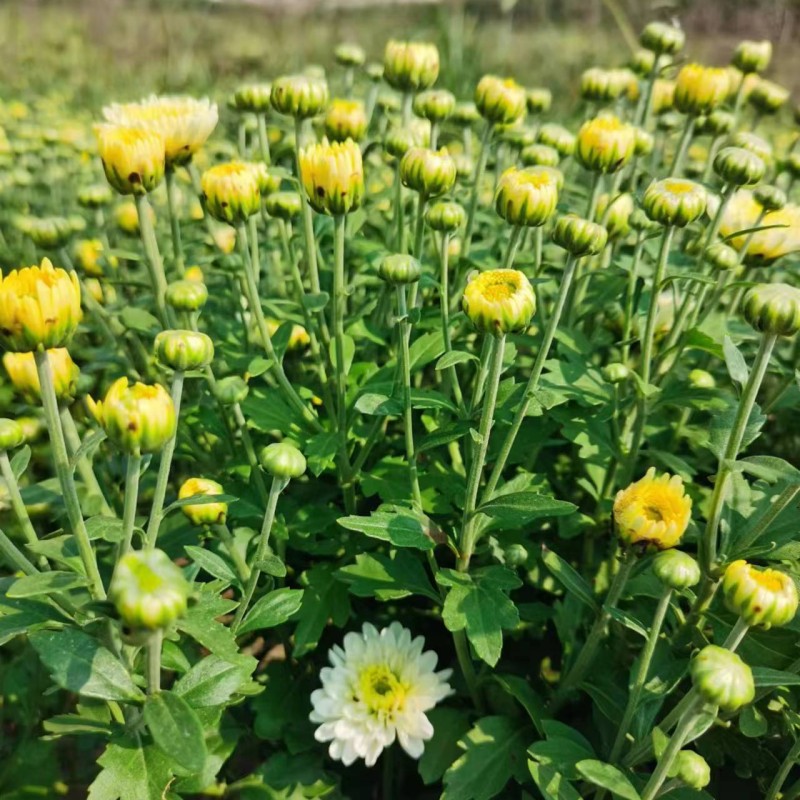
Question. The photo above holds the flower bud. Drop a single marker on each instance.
(676, 569)
(701, 379)
(641, 223)
(400, 268)
(133, 158)
(662, 38)
(643, 142)
(465, 114)
(499, 301)
(89, 257)
(231, 192)
(349, 55)
(579, 237)
(691, 768)
(763, 597)
(22, 372)
(767, 96)
(598, 86)
(139, 418)
(605, 144)
(717, 123)
(722, 678)
(429, 172)
(299, 96)
(752, 56)
(642, 62)
(48, 233)
(557, 137)
(253, 97)
(445, 217)
(516, 135)
(526, 197)
(40, 307)
(435, 105)
(187, 295)
(268, 180)
(500, 101)
(398, 141)
(738, 166)
(184, 350)
(699, 89)
(410, 66)
(346, 119)
(615, 214)
(538, 100)
(674, 202)
(721, 256)
(616, 372)
(283, 205)
(203, 513)
(127, 218)
(283, 460)
(539, 155)
(773, 308)
(232, 390)
(11, 434)
(148, 590)
(332, 176)
(95, 196)
(654, 511)
(770, 198)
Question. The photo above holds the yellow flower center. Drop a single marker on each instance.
(497, 285)
(380, 689)
(678, 187)
(769, 579)
(143, 391)
(147, 580)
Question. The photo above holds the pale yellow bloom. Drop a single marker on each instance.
(203, 513)
(21, 369)
(133, 158)
(333, 176)
(499, 301)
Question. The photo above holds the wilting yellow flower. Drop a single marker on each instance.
(527, 196)
(22, 373)
(763, 597)
(184, 123)
(653, 511)
(410, 66)
(700, 89)
(203, 513)
(333, 176)
(605, 143)
(346, 119)
(133, 158)
(40, 307)
(139, 418)
(89, 255)
(231, 191)
(499, 301)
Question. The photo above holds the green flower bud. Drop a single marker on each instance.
(527, 196)
(231, 192)
(615, 214)
(643, 142)
(662, 38)
(435, 105)
(738, 166)
(538, 100)
(579, 237)
(676, 569)
(773, 308)
(752, 56)
(770, 198)
(374, 71)
(253, 97)
(499, 301)
(184, 350)
(148, 590)
(11, 434)
(763, 597)
(268, 181)
(557, 137)
(283, 205)
(515, 555)
(346, 119)
(517, 136)
(722, 256)
(203, 513)
(616, 372)
(283, 460)
(232, 390)
(700, 379)
(187, 295)
(400, 268)
(539, 155)
(605, 144)
(349, 55)
(674, 202)
(445, 217)
(752, 142)
(48, 233)
(767, 96)
(699, 89)
(722, 678)
(716, 123)
(398, 141)
(299, 96)
(410, 66)
(642, 62)
(95, 196)
(604, 85)
(691, 768)
(429, 172)
(500, 100)
(465, 114)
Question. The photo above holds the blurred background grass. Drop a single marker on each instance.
(89, 51)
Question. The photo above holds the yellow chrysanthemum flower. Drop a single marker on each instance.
(499, 301)
(763, 597)
(89, 257)
(203, 513)
(654, 510)
(40, 307)
(605, 143)
(133, 158)
(231, 191)
(333, 176)
(21, 369)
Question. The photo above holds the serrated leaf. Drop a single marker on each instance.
(46, 583)
(176, 730)
(272, 565)
(520, 508)
(402, 530)
(734, 360)
(131, 772)
(110, 529)
(211, 682)
(722, 425)
(522, 691)
(272, 609)
(607, 777)
(213, 564)
(770, 469)
(321, 451)
(387, 578)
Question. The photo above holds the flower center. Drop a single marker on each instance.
(678, 187)
(380, 689)
(768, 579)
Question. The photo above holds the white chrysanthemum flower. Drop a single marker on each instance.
(378, 688)
(184, 122)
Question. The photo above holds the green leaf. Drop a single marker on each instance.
(88, 446)
(78, 663)
(722, 425)
(552, 784)
(519, 508)
(425, 349)
(569, 578)
(176, 730)
(378, 404)
(401, 529)
(321, 451)
(76, 725)
(766, 678)
(449, 725)
(137, 319)
(272, 609)
(324, 599)
(272, 565)
(45, 583)
(493, 753)
(562, 753)
(20, 461)
(211, 682)
(109, 529)
(348, 351)
(478, 603)
(734, 360)
(770, 469)
(212, 563)
(752, 723)
(131, 772)
(315, 302)
(455, 357)
(387, 577)
(522, 691)
(608, 777)
(200, 500)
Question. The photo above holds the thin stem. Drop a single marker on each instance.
(648, 96)
(13, 556)
(594, 195)
(538, 246)
(153, 256)
(419, 228)
(451, 376)
(84, 466)
(250, 451)
(737, 633)
(783, 772)
(131, 496)
(399, 211)
(512, 247)
(18, 504)
(66, 481)
(683, 146)
(633, 276)
(242, 568)
(154, 643)
(156, 512)
(174, 221)
(263, 139)
(480, 168)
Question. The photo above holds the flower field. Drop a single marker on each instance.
(366, 437)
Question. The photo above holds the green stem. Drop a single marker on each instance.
(263, 139)
(174, 222)
(633, 275)
(513, 246)
(156, 512)
(17, 503)
(153, 257)
(154, 643)
(242, 568)
(648, 96)
(419, 228)
(84, 467)
(399, 211)
(683, 146)
(66, 481)
(538, 246)
(480, 168)
(131, 496)
(737, 633)
(594, 195)
(14, 557)
(783, 772)
(250, 451)
(451, 376)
